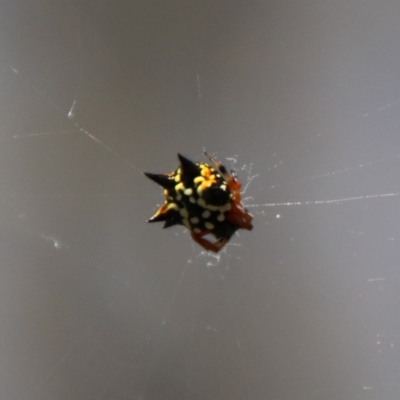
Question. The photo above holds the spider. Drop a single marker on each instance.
(204, 199)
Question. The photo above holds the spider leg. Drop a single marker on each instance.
(206, 244)
(219, 166)
(238, 216)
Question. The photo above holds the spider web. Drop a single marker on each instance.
(302, 100)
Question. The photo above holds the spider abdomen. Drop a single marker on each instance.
(203, 200)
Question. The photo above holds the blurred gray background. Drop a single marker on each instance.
(97, 304)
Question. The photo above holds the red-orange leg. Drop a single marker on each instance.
(206, 244)
(239, 217)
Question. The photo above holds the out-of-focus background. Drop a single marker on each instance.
(302, 99)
